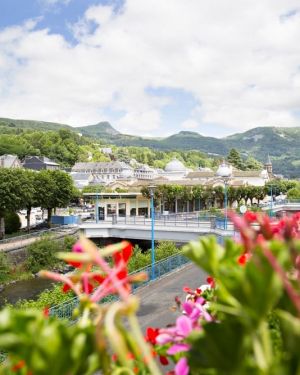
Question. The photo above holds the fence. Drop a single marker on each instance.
(24, 240)
(177, 220)
(161, 268)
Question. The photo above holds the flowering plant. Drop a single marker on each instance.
(244, 321)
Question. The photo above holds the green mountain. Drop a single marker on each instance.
(99, 130)
(282, 144)
(30, 124)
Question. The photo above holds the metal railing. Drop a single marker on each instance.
(180, 220)
(20, 239)
(65, 310)
(282, 202)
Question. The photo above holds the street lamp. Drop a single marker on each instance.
(152, 212)
(97, 209)
(224, 172)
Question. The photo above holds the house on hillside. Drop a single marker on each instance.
(10, 161)
(38, 163)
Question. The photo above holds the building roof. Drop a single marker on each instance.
(114, 195)
(100, 165)
(200, 174)
(235, 173)
(43, 159)
(6, 160)
(252, 173)
(175, 165)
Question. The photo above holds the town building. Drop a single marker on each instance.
(39, 163)
(10, 161)
(174, 170)
(107, 171)
(144, 172)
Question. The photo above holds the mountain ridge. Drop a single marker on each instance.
(281, 143)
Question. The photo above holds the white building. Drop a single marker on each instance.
(238, 178)
(144, 172)
(106, 171)
(10, 161)
(174, 170)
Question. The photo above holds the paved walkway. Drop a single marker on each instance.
(158, 297)
(21, 242)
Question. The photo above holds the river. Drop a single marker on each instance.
(24, 289)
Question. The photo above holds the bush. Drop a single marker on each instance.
(4, 267)
(141, 259)
(47, 298)
(41, 254)
(69, 241)
(294, 193)
(165, 249)
(12, 222)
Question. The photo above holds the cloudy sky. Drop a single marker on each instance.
(152, 67)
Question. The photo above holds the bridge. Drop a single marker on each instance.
(284, 206)
(180, 228)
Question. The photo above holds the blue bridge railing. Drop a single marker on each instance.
(64, 310)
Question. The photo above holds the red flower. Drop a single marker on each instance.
(250, 217)
(163, 360)
(74, 264)
(66, 288)
(242, 260)
(99, 278)
(123, 255)
(151, 334)
(46, 311)
(211, 281)
(187, 289)
(19, 365)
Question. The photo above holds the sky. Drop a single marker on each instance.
(152, 67)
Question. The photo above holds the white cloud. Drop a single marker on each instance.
(190, 124)
(54, 2)
(240, 61)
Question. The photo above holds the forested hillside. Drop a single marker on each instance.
(64, 144)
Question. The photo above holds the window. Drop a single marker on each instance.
(122, 209)
(111, 209)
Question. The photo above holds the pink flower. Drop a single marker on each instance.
(182, 367)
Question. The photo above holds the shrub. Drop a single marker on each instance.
(41, 254)
(47, 298)
(141, 259)
(294, 193)
(4, 266)
(12, 222)
(165, 249)
(69, 241)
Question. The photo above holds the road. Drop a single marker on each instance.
(158, 298)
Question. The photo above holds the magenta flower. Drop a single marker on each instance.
(182, 367)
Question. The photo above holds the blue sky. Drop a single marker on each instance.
(150, 67)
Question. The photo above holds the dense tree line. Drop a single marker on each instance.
(25, 189)
(250, 163)
(206, 196)
(67, 147)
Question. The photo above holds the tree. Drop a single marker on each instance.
(234, 158)
(294, 193)
(54, 189)
(252, 163)
(14, 192)
(29, 199)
